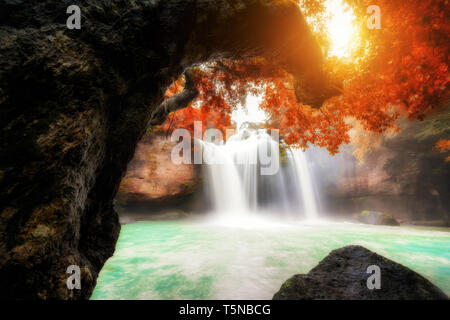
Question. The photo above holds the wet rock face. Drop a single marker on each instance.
(74, 104)
(154, 183)
(342, 275)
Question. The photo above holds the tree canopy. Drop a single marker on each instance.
(400, 70)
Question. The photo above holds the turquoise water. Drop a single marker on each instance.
(195, 260)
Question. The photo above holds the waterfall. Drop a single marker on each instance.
(306, 186)
(237, 186)
(228, 195)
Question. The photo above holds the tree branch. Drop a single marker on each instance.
(177, 101)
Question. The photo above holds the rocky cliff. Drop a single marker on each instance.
(404, 176)
(74, 104)
(153, 182)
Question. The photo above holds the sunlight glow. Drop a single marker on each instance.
(341, 28)
(250, 112)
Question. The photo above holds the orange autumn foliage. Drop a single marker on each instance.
(406, 64)
(301, 124)
(443, 145)
(222, 85)
(401, 69)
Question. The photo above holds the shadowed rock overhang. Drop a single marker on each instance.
(74, 103)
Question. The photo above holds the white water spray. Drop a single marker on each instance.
(227, 191)
(306, 186)
(237, 187)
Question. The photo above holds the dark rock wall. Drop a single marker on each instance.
(74, 104)
(404, 176)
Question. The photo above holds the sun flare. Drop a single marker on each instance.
(341, 28)
(338, 22)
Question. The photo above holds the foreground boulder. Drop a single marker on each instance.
(343, 275)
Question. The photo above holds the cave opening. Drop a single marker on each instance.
(214, 221)
(76, 106)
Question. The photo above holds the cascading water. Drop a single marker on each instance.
(239, 186)
(228, 195)
(306, 186)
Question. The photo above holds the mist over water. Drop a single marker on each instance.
(214, 260)
(306, 186)
(261, 230)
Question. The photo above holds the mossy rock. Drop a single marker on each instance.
(387, 220)
(377, 218)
